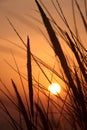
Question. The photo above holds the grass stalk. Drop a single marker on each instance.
(57, 48)
(83, 19)
(30, 84)
(22, 107)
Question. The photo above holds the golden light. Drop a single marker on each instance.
(54, 88)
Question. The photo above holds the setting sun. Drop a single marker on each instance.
(54, 88)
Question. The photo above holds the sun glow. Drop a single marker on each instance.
(54, 88)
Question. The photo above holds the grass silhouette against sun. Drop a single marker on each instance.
(71, 111)
(54, 88)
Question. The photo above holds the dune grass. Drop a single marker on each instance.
(71, 111)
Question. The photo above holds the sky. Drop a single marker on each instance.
(21, 13)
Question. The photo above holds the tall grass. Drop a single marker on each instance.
(70, 110)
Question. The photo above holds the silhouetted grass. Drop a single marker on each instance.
(29, 70)
(70, 110)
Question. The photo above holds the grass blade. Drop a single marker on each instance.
(42, 117)
(77, 57)
(57, 48)
(83, 19)
(16, 32)
(29, 70)
(23, 109)
(14, 123)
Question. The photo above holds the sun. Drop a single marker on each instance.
(54, 88)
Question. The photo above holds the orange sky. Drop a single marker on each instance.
(19, 12)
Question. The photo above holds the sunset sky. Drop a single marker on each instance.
(22, 13)
(19, 13)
